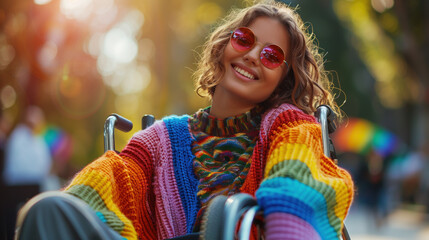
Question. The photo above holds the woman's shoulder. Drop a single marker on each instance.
(160, 129)
(285, 113)
(272, 113)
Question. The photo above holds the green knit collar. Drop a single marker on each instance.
(245, 122)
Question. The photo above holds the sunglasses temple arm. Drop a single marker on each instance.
(287, 64)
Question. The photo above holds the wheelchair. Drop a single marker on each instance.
(233, 217)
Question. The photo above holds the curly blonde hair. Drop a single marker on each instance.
(306, 83)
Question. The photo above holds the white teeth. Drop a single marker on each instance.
(244, 73)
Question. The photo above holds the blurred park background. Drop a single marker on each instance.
(78, 61)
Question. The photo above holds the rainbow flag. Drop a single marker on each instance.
(361, 136)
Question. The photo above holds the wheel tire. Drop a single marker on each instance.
(213, 219)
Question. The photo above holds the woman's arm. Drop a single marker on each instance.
(304, 194)
(118, 187)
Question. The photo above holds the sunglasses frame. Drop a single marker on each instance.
(261, 56)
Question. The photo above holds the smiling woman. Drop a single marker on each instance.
(247, 81)
(264, 78)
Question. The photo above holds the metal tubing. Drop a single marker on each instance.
(246, 223)
(109, 137)
(112, 122)
(147, 121)
(323, 113)
(234, 207)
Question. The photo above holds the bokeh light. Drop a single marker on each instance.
(133, 79)
(42, 2)
(382, 5)
(104, 16)
(119, 46)
(7, 52)
(106, 66)
(7, 97)
(103, 7)
(92, 46)
(132, 23)
(129, 79)
(47, 55)
(77, 9)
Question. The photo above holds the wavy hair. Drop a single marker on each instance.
(306, 83)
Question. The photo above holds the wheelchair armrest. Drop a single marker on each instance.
(246, 223)
(235, 206)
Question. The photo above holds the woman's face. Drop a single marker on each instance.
(246, 79)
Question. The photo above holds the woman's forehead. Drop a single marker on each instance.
(270, 31)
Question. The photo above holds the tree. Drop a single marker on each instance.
(391, 37)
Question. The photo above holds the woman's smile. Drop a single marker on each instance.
(242, 72)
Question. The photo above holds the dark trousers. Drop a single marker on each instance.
(57, 215)
(11, 200)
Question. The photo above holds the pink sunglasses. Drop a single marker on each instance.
(243, 39)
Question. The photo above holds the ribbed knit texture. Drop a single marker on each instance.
(202, 121)
(171, 218)
(278, 225)
(113, 199)
(182, 160)
(223, 148)
(300, 180)
(149, 190)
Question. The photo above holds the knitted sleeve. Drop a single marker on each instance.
(304, 194)
(118, 188)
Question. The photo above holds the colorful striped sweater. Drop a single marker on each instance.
(149, 190)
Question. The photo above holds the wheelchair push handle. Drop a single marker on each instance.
(326, 117)
(326, 112)
(147, 120)
(112, 122)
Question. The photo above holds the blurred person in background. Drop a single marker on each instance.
(27, 157)
(265, 78)
(409, 176)
(27, 164)
(373, 180)
(61, 147)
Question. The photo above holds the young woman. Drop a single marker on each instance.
(264, 77)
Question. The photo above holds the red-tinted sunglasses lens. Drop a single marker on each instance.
(242, 39)
(272, 56)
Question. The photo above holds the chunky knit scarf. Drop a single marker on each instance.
(222, 148)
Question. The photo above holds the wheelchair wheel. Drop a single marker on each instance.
(213, 219)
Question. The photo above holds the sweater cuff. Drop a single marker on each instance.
(288, 227)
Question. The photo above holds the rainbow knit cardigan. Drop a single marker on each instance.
(149, 190)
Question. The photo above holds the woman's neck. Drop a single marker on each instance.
(228, 105)
(224, 109)
(221, 113)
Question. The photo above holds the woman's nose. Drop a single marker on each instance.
(252, 56)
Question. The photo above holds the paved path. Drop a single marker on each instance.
(401, 224)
